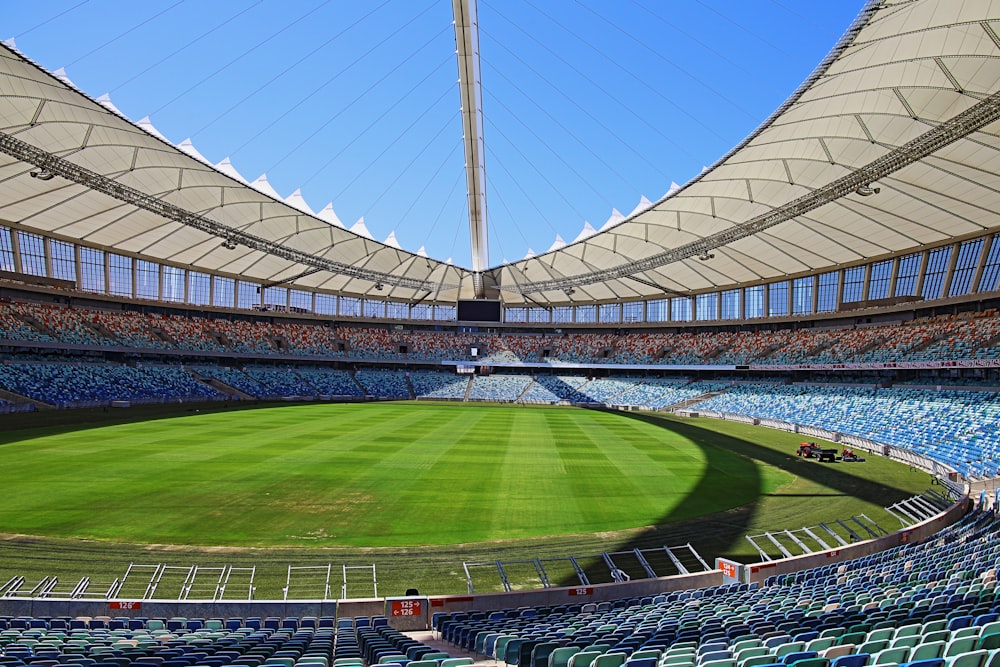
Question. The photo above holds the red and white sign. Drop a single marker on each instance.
(406, 607)
(728, 568)
(123, 604)
(583, 590)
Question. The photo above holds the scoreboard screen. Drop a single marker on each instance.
(479, 310)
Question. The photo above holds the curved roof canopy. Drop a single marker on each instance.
(907, 104)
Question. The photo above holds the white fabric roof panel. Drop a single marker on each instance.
(904, 68)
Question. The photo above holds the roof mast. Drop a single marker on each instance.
(467, 42)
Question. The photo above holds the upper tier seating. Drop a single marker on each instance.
(940, 338)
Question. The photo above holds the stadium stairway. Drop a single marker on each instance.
(221, 386)
(361, 387)
(11, 397)
(524, 391)
(682, 405)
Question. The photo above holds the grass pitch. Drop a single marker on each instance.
(418, 488)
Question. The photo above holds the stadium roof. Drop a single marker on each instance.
(906, 104)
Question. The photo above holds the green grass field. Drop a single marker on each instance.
(416, 488)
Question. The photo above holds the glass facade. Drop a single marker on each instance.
(395, 310)
(946, 271)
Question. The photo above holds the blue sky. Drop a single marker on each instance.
(588, 104)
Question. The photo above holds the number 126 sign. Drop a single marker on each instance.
(406, 607)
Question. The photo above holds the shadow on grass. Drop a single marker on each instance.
(716, 534)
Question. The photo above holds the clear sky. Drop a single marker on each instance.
(589, 105)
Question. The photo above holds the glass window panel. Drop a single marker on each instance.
(538, 315)
(991, 270)
(92, 270)
(906, 276)
(6, 250)
(247, 294)
(173, 284)
(147, 280)
(826, 292)
(965, 267)
(778, 299)
(802, 295)
(397, 311)
(326, 304)
(275, 298)
(198, 288)
(32, 253)
(610, 312)
(120, 269)
(223, 292)
(731, 304)
(516, 314)
(854, 284)
(445, 313)
(300, 300)
(562, 314)
(753, 301)
(937, 266)
(350, 306)
(632, 311)
(878, 283)
(707, 306)
(63, 260)
(680, 309)
(658, 310)
(586, 314)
